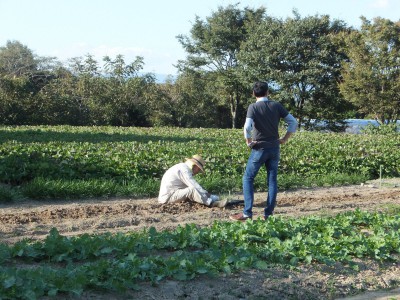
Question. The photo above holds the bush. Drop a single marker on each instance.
(382, 129)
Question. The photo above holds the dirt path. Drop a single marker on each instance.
(34, 220)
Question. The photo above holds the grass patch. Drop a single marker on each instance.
(392, 209)
(7, 194)
(41, 188)
(291, 181)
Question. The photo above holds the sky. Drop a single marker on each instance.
(148, 28)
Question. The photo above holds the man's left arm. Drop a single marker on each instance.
(292, 126)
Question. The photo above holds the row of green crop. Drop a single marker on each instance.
(128, 155)
(118, 262)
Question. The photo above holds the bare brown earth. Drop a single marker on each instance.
(34, 219)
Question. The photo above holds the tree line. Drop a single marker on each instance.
(321, 69)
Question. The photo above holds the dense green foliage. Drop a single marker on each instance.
(371, 78)
(299, 58)
(319, 68)
(119, 262)
(213, 48)
(76, 162)
(85, 93)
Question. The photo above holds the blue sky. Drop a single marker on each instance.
(72, 28)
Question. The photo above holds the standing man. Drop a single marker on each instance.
(262, 136)
(178, 184)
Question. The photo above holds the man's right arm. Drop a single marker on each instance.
(187, 177)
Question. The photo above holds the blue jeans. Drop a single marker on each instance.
(270, 158)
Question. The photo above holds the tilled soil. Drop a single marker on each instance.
(33, 220)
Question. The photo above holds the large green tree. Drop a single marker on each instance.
(64, 101)
(188, 102)
(17, 59)
(22, 76)
(213, 47)
(371, 78)
(88, 93)
(129, 94)
(298, 57)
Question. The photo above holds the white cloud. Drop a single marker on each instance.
(380, 4)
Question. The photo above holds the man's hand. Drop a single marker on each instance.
(251, 144)
(282, 141)
(285, 138)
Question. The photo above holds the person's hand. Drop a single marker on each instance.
(285, 139)
(251, 144)
(214, 197)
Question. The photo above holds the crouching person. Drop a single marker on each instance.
(178, 184)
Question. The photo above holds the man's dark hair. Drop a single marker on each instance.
(260, 89)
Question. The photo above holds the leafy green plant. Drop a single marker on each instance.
(116, 262)
(7, 194)
(76, 162)
(385, 129)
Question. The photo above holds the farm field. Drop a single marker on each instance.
(34, 220)
(82, 201)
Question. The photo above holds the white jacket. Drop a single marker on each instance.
(179, 176)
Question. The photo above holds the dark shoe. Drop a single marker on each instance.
(239, 217)
(220, 203)
(266, 217)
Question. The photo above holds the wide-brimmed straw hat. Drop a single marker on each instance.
(198, 161)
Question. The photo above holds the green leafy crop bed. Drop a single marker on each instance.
(43, 162)
(120, 262)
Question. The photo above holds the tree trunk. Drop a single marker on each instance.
(234, 101)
